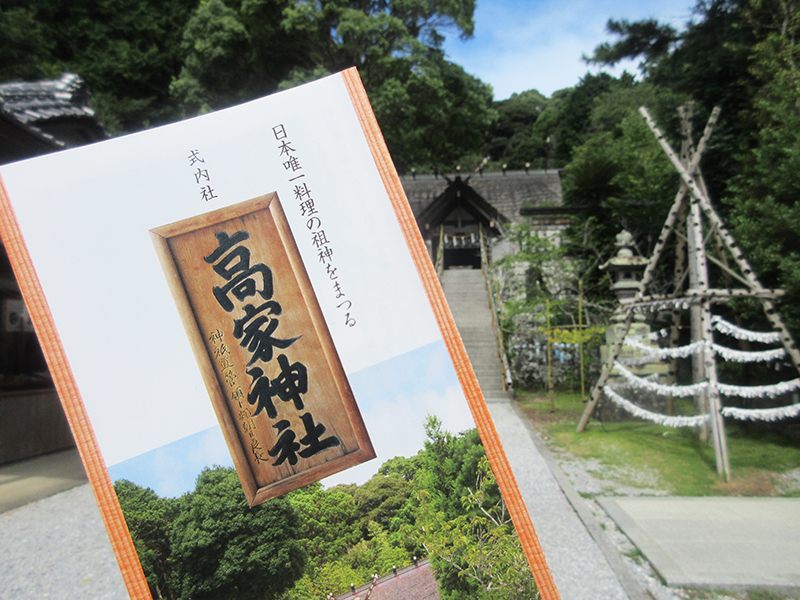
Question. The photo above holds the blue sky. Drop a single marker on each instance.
(520, 45)
(393, 405)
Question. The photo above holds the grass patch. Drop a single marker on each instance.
(538, 407)
(766, 594)
(685, 466)
(635, 555)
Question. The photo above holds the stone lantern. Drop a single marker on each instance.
(626, 273)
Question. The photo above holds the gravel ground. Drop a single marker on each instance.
(579, 567)
(591, 479)
(788, 483)
(57, 548)
(584, 476)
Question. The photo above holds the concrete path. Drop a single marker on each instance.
(579, 567)
(56, 547)
(25, 481)
(715, 542)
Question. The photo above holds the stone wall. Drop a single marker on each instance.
(526, 342)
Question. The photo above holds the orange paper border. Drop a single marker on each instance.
(469, 382)
(67, 388)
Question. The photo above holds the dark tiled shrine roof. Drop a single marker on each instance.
(507, 193)
(28, 140)
(31, 102)
(410, 583)
(37, 117)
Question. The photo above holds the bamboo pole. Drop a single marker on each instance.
(597, 390)
(697, 267)
(704, 366)
(694, 295)
(680, 271)
(697, 270)
(580, 337)
(549, 361)
(678, 280)
(727, 240)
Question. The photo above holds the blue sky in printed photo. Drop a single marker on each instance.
(393, 404)
(520, 45)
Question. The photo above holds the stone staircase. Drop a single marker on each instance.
(468, 299)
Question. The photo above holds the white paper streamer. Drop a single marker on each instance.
(744, 414)
(762, 414)
(654, 305)
(654, 335)
(660, 419)
(680, 352)
(759, 391)
(728, 354)
(764, 337)
(680, 391)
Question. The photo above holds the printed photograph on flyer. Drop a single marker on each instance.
(268, 361)
(265, 375)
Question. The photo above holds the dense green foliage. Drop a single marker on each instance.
(431, 504)
(127, 50)
(622, 180)
(764, 199)
(708, 63)
(739, 55)
(210, 544)
(512, 139)
(222, 549)
(149, 518)
(442, 503)
(232, 52)
(149, 63)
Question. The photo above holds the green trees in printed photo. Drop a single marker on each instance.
(442, 504)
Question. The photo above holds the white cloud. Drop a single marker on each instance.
(519, 45)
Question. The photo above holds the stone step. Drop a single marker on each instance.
(466, 295)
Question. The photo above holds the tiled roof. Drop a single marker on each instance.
(32, 102)
(37, 117)
(410, 583)
(507, 192)
(8, 122)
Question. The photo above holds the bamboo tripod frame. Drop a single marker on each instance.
(685, 219)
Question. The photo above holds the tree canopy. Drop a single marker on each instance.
(210, 544)
(223, 549)
(740, 55)
(149, 63)
(315, 541)
(646, 39)
(127, 50)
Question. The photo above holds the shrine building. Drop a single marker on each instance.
(452, 211)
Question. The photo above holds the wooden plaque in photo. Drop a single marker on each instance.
(267, 358)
